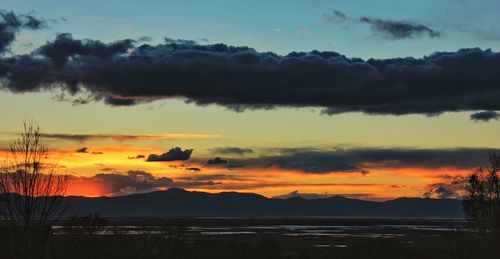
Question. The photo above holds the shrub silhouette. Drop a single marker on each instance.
(482, 200)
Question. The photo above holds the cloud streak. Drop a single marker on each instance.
(216, 161)
(362, 160)
(232, 151)
(395, 30)
(398, 29)
(118, 137)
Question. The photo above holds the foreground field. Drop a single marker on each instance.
(270, 238)
(96, 237)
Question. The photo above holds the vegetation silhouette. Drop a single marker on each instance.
(31, 195)
(481, 204)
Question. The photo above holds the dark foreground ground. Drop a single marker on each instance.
(266, 238)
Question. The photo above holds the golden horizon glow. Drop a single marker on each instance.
(89, 170)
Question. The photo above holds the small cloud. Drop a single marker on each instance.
(180, 41)
(196, 169)
(232, 151)
(399, 29)
(485, 116)
(335, 17)
(388, 28)
(137, 157)
(82, 150)
(446, 190)
(145, 39)
(174, 154)
(216, 161)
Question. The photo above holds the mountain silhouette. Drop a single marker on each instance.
(178, 202)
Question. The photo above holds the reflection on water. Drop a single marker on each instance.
(226, 232)
(326, 246)
(336, 231)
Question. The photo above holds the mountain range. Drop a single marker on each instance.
(176, 202)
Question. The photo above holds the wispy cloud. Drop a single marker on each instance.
(232, 151)
(118, 137)
(386, 28)
(11, 23)
(363, 160)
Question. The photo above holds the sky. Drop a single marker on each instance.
(367, 99)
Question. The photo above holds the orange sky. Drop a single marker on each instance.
(97, 173)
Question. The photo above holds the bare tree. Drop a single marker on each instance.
(30, 190)
(482, 200)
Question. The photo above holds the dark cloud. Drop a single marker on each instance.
(196, 169)
(361, 160)
(145, 39)
(232, 151)
(335, 16)
(136, 181)
(131, 182)
(123, 73)
(399, 29)
(174, 154)
(65, 47)
(454, 188)
(86, 150)
(180, 41)
(485, 116)
(11, 23)
(137, 157)
(217, 161)
(386, 28)
(82, 150)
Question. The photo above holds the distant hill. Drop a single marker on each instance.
(179, 202)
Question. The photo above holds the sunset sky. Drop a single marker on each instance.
(366, 99)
